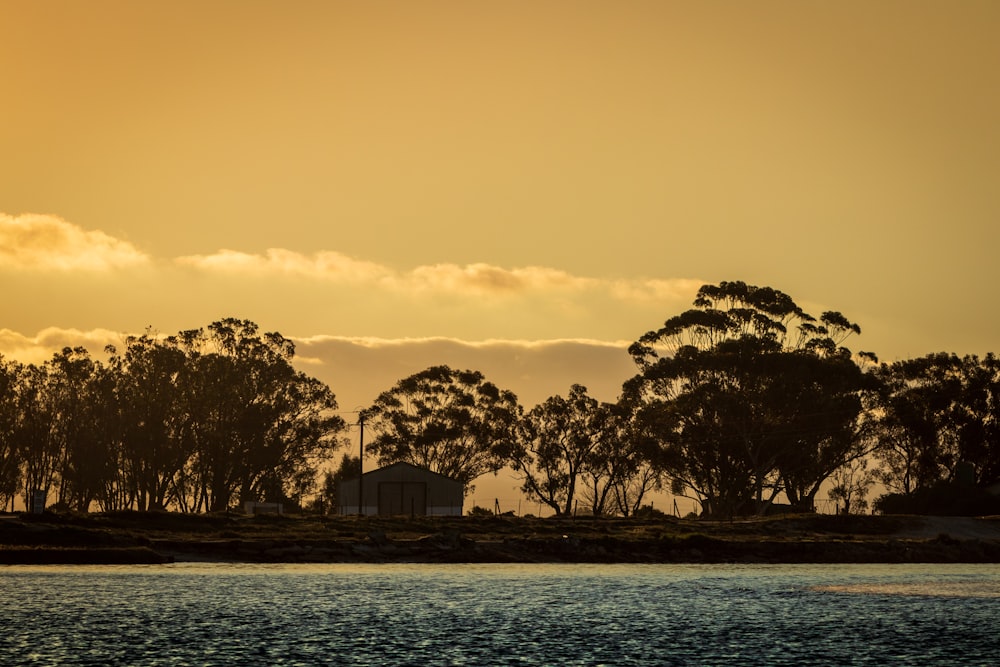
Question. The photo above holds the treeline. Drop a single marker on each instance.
(193, 422)
(741, 402)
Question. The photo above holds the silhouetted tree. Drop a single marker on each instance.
(561, 437)
(452, 422)
(155, 425)
(827, 403)
(851, 483)
(36, 432)
(939, 410)
(349, 468)
(77, 392)
(752, 397)
(622, 471)
(262, 427)
(10, 457)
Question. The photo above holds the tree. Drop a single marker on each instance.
(452, 422)
(76, 393)
(150, 377)
(828, 400)
(752, 396)
(621, 471)
(261, 427)
(851, 483)
(561, 437)
(349, 468)
(10, 457)
(35, 432)
(937, 411)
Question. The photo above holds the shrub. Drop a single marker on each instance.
(478, 511)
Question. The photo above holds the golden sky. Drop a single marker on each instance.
(521, 187)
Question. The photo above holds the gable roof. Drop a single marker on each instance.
(404, 465)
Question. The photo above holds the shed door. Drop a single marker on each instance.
(402, 498)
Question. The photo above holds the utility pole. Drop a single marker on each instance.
(361, 464)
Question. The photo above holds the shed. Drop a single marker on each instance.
(403, 488)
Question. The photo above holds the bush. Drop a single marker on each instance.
(648, 512)
(941, 500)
(478, 511)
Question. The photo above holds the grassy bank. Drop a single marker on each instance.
(145, 537)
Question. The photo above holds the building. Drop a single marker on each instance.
(402, 489)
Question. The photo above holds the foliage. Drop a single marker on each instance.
(738, 400)
(851, 483)
(195, 421)
(942, 499)
(349, 468)
(937, 411)
(452, 422)
(480, 512)
(751, 396)
(263, 426)
(621, 472)
(561, 439)
(10, 455)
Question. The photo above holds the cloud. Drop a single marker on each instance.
(325, 265)
(655, 289)
(359, 368)
(476, 279)
(488, 279)
(38, 349)
(48, 243)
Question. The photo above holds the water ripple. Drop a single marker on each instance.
(197, 614)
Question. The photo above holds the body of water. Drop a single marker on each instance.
(226, 614)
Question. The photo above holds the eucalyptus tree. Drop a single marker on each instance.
(624, 468)
(937, 411)
(829, 400)
(453, 422)
(259, 428)
(10, 457)
(752, 396)
(154, 423)
(850, 485)
(979, 414)
(35, 432)
(78, 392)
(349, 468)
(561, 438)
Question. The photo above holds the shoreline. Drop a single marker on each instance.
(162, 537)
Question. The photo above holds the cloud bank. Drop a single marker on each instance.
(358, 368)
(39, 348)
(476, 279)
(48, 243)
(324, 265)
(33, 242)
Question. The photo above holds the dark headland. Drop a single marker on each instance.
(162, 537)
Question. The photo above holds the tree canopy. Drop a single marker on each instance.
(561, 439)
(751, 396)
(740, 401)
(453, 422)
(197, 421)
(936, 412)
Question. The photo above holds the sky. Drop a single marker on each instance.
(519, 187)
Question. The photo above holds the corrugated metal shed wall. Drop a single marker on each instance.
(402, 488)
